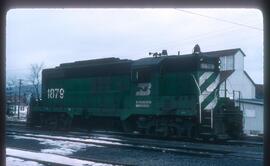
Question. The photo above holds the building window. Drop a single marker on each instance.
(226, 63)
(229, 62)
(222, 63)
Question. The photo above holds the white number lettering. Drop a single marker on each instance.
(62, 93)
(52, 93)
(55, 93)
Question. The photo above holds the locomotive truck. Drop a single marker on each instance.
(176, 95)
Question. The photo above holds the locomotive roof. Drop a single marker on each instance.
(92, 62)
(149, 61)
(186, 61)
(98, 67)
(116, 66)
(153, 61)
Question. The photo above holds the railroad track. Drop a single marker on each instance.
(144, 144)
(244, 142)
(15, 123)
(121, 135)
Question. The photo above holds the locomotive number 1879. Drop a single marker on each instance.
(56, 93)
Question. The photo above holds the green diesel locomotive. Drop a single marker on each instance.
(176, 95)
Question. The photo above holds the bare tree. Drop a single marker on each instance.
(35, 77)
(11, 86)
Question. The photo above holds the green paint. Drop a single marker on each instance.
(115, 96)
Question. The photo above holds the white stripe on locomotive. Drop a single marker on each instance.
(213, 86)
(205, 76)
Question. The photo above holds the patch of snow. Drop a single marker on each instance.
(60, 147)
(77, 139)
(61, 151)
(108, 138)
(103, 142)
(15, 118)
(12, 161)
(57, 159)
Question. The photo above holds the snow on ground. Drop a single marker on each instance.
(12, 161)
(59, 146)
(77, 139)
(15, 118)
(86, 139)
(107, 138)
(57, 159)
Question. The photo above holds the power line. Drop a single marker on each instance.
(219, 19)
(189, 40)
(194, 37)
(205, 36)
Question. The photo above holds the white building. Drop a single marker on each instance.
(253, 116)
(233, 77)
(238, 85)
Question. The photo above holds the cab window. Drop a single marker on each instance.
(141, 75)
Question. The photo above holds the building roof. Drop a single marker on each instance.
(259, 90)
(221, 53)
(252, 101)
(224, 75)
(249, 78)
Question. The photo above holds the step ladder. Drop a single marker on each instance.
(206, 125)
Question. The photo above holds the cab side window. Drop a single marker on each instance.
(141, 75)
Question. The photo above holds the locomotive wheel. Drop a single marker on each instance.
(68, 122)
(151, 131)
(194, 132)
(127, 126)
(52, 122)
(43, 121)
(173, 131)
(165, 133)
(64, 122)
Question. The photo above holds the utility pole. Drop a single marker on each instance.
(20, 84)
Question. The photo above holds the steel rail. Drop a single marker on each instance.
(178, 149)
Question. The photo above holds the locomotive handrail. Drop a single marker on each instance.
(198, 87)
(226, 90)
(241, 106)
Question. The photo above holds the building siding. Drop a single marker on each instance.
(239, 61)
(238, 81)
(253, 118)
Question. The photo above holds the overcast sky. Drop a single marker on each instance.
(55, 36)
